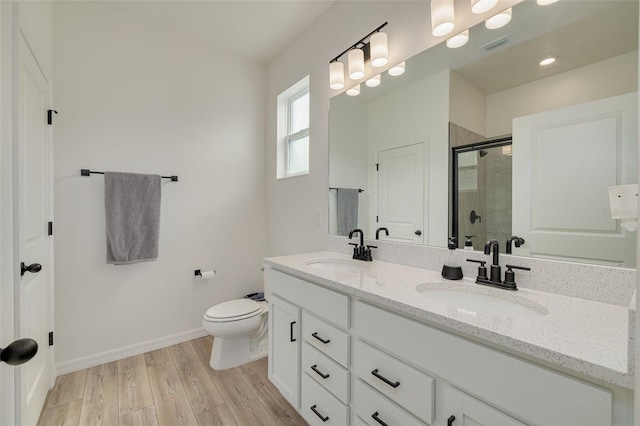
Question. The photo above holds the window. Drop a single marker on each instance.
(293, 130)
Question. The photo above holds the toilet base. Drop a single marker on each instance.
(229, 352)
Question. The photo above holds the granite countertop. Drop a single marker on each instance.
(586, 337)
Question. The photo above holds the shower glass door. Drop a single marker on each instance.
(481, 184)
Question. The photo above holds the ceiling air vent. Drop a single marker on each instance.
(495, 43)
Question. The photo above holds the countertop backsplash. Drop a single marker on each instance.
(604, 284)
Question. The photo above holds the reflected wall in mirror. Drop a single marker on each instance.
(573, 126)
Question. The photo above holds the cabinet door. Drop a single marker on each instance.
(284, 348)
(463, 410)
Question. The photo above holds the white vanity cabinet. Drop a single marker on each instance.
(342, 360)
(320, 331)
(284, 348)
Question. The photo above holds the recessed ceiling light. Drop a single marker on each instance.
(545, 2)
(547, 61)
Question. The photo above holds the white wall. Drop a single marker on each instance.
(467, 105)
(614, 76)
(414, 114)
(134, 97)
(292, 203)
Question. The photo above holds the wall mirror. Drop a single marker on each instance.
(572, 126)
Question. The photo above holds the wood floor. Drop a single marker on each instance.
(171, 386)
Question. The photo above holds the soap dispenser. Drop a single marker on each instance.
(452, 270)
(468, 244)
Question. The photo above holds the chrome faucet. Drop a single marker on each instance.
(361, 252)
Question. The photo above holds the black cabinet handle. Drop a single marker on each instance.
(324, 419)
(314, 367)
(293, 339)
(375, 417)
(450, 420)
(384, 379)
(320, 338)
(33, 268)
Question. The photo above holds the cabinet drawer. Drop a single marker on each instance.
(326, 303)
(369, 406)
(325, 371)
(319, 407)
(327, 338)
(410, 388)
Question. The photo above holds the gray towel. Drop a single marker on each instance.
(347, 210)
(132, 206)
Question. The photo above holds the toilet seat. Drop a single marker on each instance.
(233, 310)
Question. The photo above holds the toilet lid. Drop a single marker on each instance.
(234, 309)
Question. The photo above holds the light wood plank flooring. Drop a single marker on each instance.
(171, 386)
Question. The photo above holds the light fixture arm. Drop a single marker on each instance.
(359, 42)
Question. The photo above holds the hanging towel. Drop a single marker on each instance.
(347, 210)
(132, 206)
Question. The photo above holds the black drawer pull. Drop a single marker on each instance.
(293, 339)
(384, 379)
(320, 338)
(324, 419)
(375, 417)
(314, 368)
(450, 420)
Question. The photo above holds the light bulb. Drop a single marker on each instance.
(442, 17)
(354, 91)
(379, 49)
(356, 64)
(458, 40)
(482, 6)
(397, 70)
(373, 81)
(498, 20)
(336, 75)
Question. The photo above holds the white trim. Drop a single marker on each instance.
(127, 351)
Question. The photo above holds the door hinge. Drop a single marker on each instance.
(51, 338)
(377, 167)
(50, 228)
(50, 116)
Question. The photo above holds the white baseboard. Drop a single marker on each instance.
(127, 351)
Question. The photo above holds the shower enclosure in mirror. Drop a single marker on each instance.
(573, 126)
(481, 188)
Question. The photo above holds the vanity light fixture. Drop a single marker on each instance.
(545, 2)
(397, 70)
(458, 40)
(442, 17)
(354, 91)
(371, 47)
(373, 81)
(547, 61)
(482, 6)
(506, 150)
(336, 75)
(499, 20)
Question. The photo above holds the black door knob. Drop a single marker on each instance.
(418, 232)
(19, 352)
(33, 268)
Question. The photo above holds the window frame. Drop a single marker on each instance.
(292, 137)
(284, 136)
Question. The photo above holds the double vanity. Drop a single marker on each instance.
(378, 343)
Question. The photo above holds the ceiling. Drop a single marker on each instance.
(253, 29)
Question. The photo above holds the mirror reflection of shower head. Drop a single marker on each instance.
(482, 153)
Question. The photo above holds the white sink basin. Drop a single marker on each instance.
(478, 301)
(341, 265)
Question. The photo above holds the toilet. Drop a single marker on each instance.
(239, 330)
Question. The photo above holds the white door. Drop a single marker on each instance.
(34, 212)
(401, 193)
(588, 147)
(284, 348)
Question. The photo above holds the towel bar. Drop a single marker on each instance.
(87, 172)
(335, 189)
